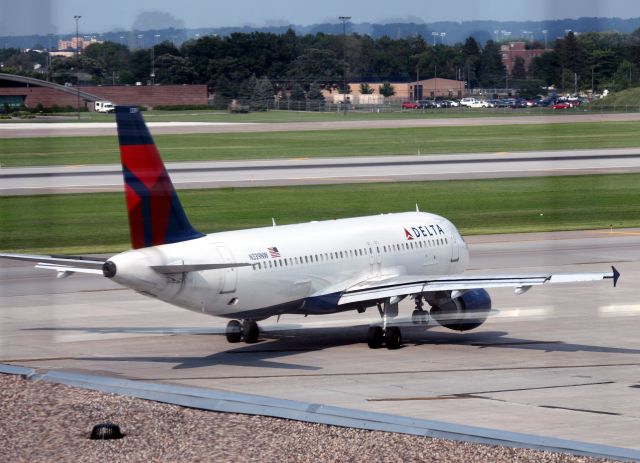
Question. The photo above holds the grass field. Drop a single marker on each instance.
(98, 223)
(273, 116)
(237, 146)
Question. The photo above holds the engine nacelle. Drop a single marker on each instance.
(462, 313)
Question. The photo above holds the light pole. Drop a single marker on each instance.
(545, 32)
(344, 20)
(442, 36)
(153, 59)
(435, 35)
(77, 18)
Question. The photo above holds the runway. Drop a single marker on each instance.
(92, 129)
(221, 174)
(560, 361)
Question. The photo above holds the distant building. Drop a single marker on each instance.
(514, 50)
(427, 89)
(76, 43)
(16, 91)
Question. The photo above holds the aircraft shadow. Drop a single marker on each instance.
(276, 344)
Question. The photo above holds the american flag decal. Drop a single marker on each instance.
(273, 252)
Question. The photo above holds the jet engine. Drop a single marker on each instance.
(460, 310)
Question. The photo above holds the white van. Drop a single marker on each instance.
(104, 107)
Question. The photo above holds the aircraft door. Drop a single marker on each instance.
(455, 249)
(375, 257)
(230, 275)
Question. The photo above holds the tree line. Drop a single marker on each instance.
(258, 65)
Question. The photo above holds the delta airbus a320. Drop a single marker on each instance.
(312, 268)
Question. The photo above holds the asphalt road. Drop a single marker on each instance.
(218, 174)
(560, 361)
(91, 129)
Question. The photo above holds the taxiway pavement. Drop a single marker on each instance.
(560, 361)
(219, 174)
(92, 129)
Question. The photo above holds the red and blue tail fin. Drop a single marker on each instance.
(155, 213)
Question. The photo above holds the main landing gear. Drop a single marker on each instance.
(419, 315)
(247, 330)
(387, 335)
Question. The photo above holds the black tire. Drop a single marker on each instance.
(234, 331)
(250, 331)
(393, 337)
(375, 337)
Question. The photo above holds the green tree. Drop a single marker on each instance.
(546, 68)
(315, 65)
(223, 92)
(113, 57)
(296, 94)
(263, 94)
(365, 89)
(519, 72)
(626, 76)
(315, 97)
(171, 69)
(387, 89)
(491, 71)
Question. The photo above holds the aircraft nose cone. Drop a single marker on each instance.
(109, 269)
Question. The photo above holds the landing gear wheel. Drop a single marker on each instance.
(250, 331)
(375, 337)
(392, 337)
(234, 331)
(419, 317)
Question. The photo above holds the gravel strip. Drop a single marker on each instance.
(44, 422)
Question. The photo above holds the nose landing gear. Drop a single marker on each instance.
(247, 330)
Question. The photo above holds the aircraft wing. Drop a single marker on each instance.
(62, 264)
(397, 286)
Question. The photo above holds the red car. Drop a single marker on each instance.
(561, 105)
(410, 105)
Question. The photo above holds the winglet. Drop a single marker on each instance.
(616, 275)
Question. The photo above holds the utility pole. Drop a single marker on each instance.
(153, 59)
(344, 20)
(77, 18)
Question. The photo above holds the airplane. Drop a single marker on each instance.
(315, 268)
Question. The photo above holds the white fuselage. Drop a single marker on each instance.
(294, 267)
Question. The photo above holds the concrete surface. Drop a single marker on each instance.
(559, 361)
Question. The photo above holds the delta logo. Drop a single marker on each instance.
(423, 231)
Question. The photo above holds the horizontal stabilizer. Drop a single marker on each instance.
(78, 262)
(184, 268)
(67, 269)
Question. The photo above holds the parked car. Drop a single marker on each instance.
(427, 104)
(410, 105)
(561, 105)
(474, 103)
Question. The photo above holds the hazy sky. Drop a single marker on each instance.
(23, 17)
